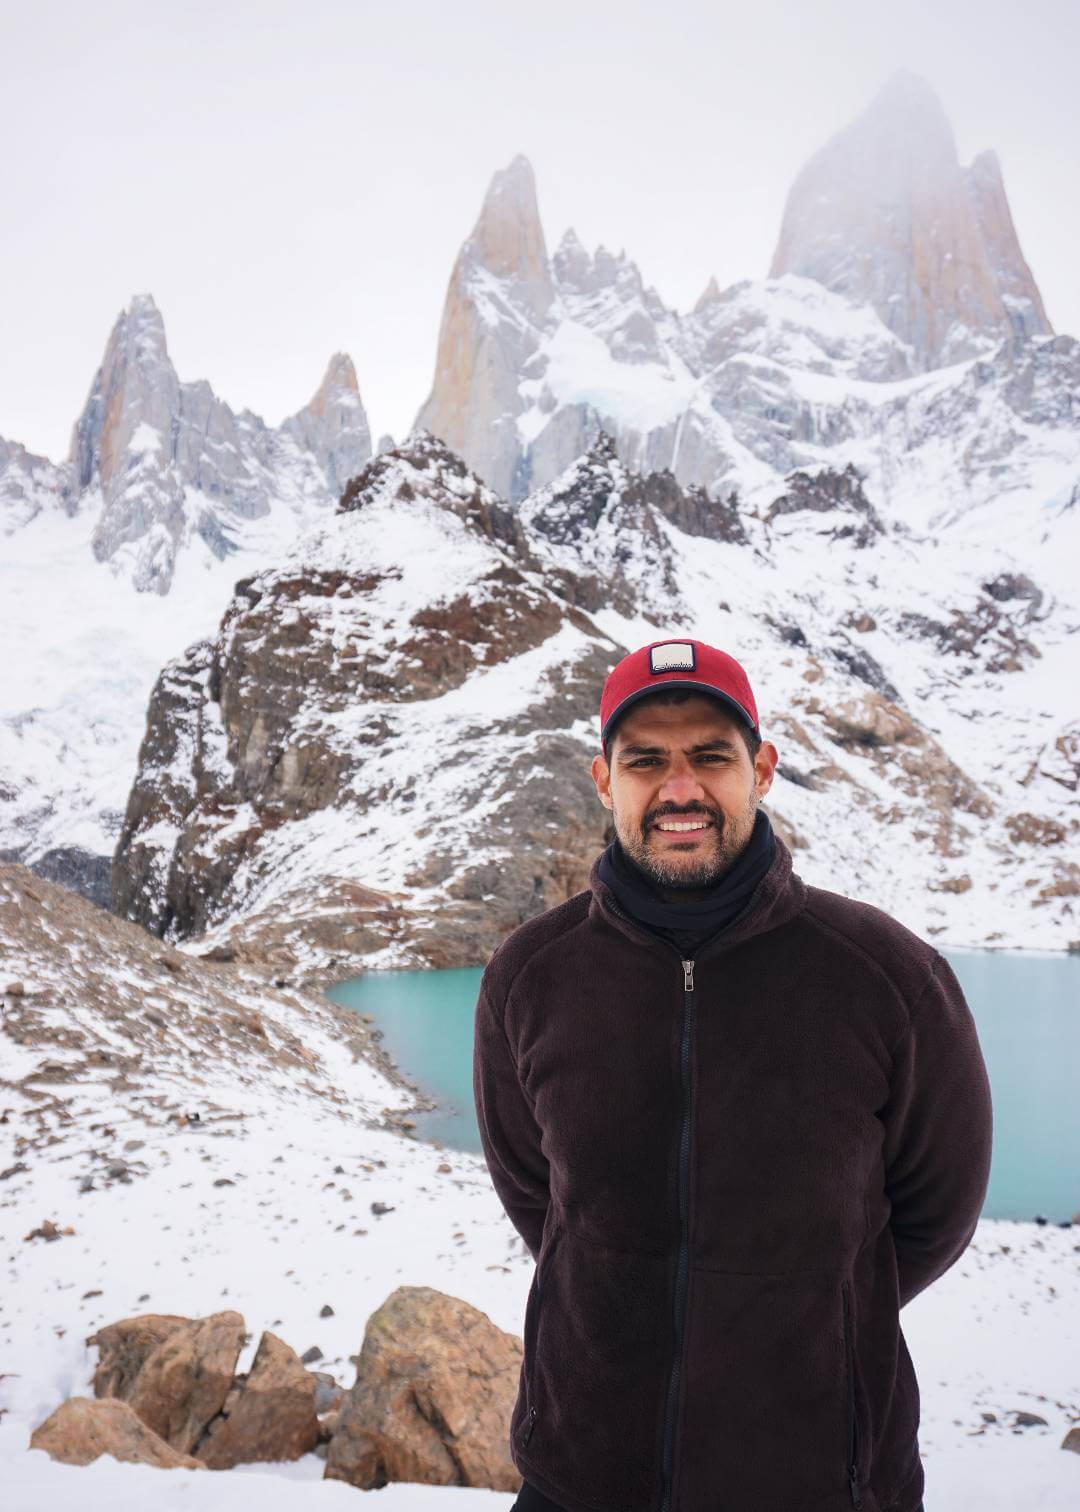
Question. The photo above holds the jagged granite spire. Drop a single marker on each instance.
(1019, 292)
(500, 293)
(136, 385)
(334, 425)
(173, 466)
(885, 215)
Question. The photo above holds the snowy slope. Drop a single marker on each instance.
(308, 1146)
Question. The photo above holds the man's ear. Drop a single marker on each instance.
(765, 767)
(601, 775)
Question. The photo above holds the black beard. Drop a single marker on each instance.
(707, 870)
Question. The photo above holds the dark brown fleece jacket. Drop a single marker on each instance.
(732, 1172)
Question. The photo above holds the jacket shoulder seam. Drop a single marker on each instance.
(856, 945)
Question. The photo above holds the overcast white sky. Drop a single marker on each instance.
(290, 179)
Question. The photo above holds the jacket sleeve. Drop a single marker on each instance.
(938, 1134)
(509, 1133)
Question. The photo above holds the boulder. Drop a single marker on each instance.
(184, 1381)
(81, 1429)
(124, 1347)
(435, 1387)
(269, 1414)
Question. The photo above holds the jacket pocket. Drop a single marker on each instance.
(525, 1433)
(852, 1442)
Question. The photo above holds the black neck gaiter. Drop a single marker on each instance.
(690, 924)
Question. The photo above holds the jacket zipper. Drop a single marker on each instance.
(852, 1444)
(682, 1270)
(684, 1237)
(530, 1421)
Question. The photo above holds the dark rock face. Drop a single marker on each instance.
(988, 635)
(829, 492)
(76, 869)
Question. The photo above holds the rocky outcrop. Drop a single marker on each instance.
(584, 522)
(839, 496)
(912, 762)
(30, 484)
(328, 681)
(81, 1430)
(885, 215)
(435, 1387)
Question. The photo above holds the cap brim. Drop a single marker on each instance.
(675, 682)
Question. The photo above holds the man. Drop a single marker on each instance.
(739, 1123)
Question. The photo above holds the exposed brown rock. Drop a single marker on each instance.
(269, 1413)
(125, 1346)
(184, 1381)
(1031, 829)
(911, 760)
(81, 1429)
(952, 885)
(435, 1387)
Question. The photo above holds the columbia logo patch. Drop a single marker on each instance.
(672, 656)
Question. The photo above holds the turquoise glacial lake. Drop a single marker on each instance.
(1026, 1008)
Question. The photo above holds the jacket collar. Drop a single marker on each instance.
(779, 896)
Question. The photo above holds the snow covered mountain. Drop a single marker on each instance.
(898, 303)
(381, 759)
(861, 474)
(885, 215)
(118, 557)
(172, 463)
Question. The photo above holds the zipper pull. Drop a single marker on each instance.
(527, 1435)
(853, 1481)
(688, 975)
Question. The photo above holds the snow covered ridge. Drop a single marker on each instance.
(381, 759)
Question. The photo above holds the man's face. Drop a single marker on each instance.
(682, 763)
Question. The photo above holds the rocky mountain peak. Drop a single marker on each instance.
(508, 239)
(986, 191)
(571, 262)
(884, 214)
(135, 386)
(709, 295)
(498, 303)
(340, 377)
(333, 425)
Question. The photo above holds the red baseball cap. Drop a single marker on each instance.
(690, 663)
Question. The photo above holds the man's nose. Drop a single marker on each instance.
(681, 786)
